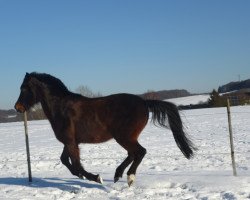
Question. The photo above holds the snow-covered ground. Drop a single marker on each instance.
(185, 101)
(163, 174)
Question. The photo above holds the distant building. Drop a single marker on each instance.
(240, 97)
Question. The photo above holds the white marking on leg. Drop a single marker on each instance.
(99, 179)
(131, 179)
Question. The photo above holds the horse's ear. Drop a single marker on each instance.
(27, 75)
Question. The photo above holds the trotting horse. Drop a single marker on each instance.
(77, 119)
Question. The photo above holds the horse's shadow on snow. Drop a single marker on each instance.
(69, 185)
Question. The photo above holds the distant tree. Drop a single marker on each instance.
(214, 96)
(150, 94)
(87, 92)
(216, 100)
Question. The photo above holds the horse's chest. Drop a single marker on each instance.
(63, 137)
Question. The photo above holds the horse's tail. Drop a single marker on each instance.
(166, 115)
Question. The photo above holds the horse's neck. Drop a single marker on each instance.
(51, 103)
(48, 108)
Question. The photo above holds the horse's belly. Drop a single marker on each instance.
(94, 137)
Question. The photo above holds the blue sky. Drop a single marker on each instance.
(131, 46)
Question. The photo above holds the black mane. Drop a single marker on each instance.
(50, 81)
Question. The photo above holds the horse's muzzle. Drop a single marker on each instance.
(20, 108)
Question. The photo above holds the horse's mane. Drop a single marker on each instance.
(50, 81)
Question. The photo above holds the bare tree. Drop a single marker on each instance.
(150, 94)
(87, 92)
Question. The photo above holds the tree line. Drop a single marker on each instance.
(215, 100)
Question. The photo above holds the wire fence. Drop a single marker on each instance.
(238, 152)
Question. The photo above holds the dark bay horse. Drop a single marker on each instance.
(77, 119)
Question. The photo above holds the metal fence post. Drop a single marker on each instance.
(27, 145)
(231, 137)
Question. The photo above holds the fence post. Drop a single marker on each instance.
(27, 145)
(231, 137)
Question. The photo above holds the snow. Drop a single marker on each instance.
(163, 174)
(184, 101)
(11, 116)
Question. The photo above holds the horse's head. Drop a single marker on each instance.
(28, 94)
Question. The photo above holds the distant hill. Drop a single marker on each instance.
(13, 116)
(9, 116)
(233, 86)
(165, 94)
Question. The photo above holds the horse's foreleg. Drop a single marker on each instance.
(65, 160)
(75, 167)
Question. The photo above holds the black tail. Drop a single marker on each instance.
(161, 111)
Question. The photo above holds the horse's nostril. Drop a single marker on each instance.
(19, 107)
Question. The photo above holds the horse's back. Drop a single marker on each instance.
(126, 104)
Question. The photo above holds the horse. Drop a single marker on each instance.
(78, 119)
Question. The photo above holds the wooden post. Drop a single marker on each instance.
(231, 137)
(27, 145)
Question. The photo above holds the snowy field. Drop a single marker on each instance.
(164, 173)
(185, 101)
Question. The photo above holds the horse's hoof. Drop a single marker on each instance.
(131, 179)
(99, 179)
(81, 176)
(116, 179)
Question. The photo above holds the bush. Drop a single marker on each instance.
(216, 100)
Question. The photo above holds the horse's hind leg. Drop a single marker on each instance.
(135, 154)
(120, 169)
(139, 153)
(72, 152)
